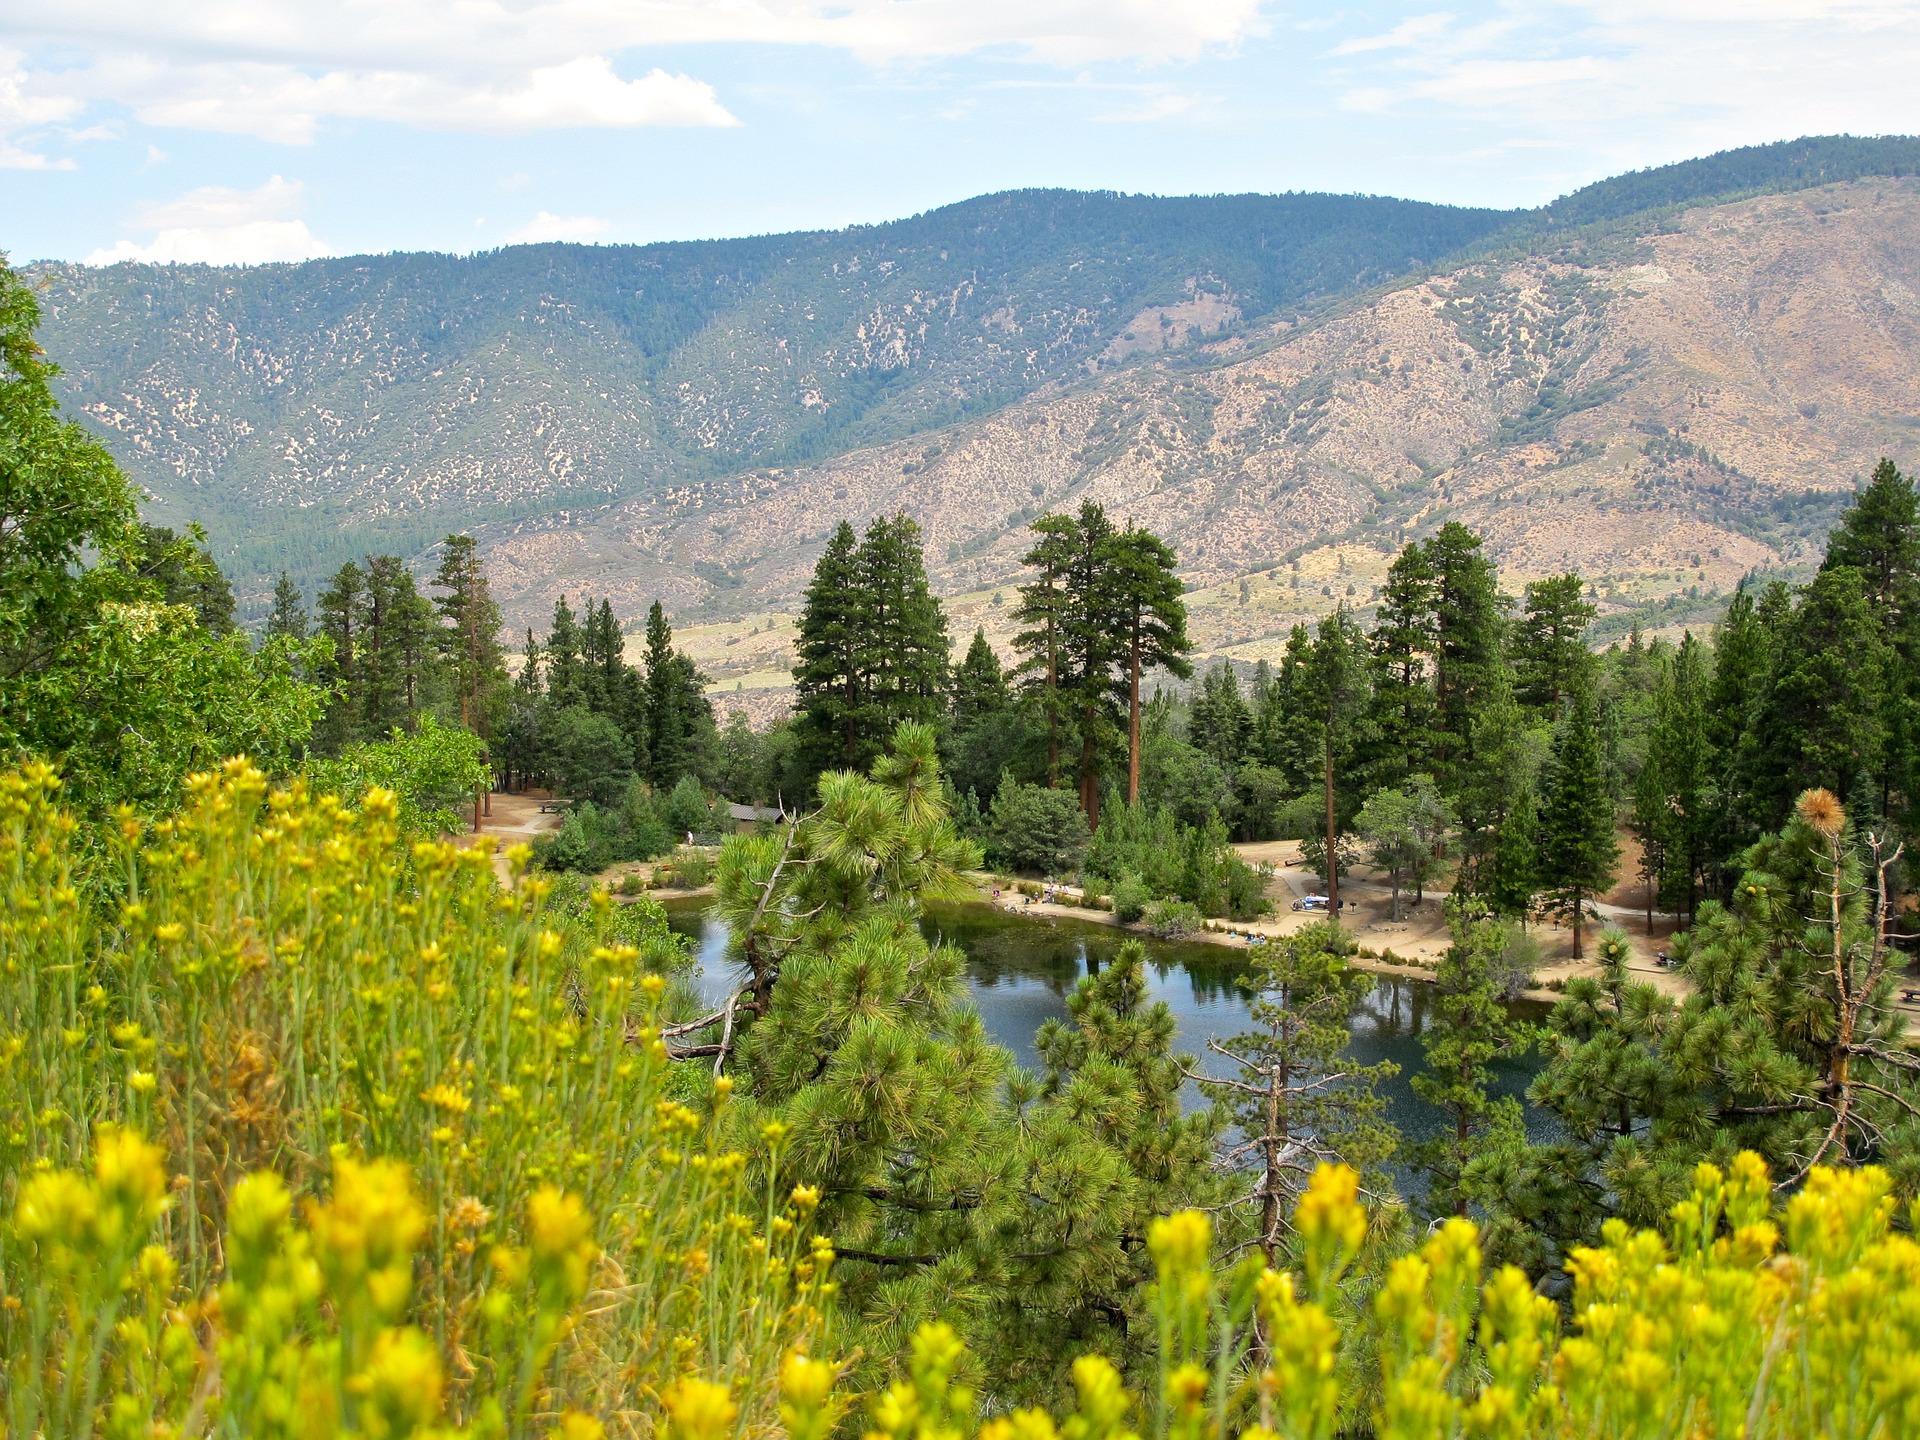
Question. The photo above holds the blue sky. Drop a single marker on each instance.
(254, 130)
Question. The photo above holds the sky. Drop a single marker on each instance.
(250, 131)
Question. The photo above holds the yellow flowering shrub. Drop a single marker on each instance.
(324, 1133)
(401, 1149)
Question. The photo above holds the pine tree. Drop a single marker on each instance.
(1675, 814)
(1404, 641)
(675, 696)
(566, 671)
(1549, 643)
(1110, 1068)
(1219, 723)
(1468, 631)
(1500, 768)
(1741, 659)
(342, 615)
(1153, 615)
(1786, 1044)
(1044, 610)
(1282, 734)
(902, 651)
(399, 659)
(979, 685)
(1336, 691)
(1879, 536)
(1468, 1027)
(1296, 1099)
(828, 681)
(1578, 849)
(1510, 879)
(288, 620)
(519, 748)
(1008, 1209)
(1820, 716)
(471, 638)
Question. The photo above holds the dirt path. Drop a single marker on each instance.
(1420, 934)
(514, 820)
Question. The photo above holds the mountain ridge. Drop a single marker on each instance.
(312, 413)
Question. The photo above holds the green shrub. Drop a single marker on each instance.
(435, 771)
(1093, 889)
(1170, 919)
(632, 884)
(691, 868)
(1130, 899)
(592, 837)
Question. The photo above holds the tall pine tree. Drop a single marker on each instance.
(342, 609)
(288, 619)
(828, 679)
(1468, 1028)
(979, 684)
(902, 651)
(1550, 653)
(1577, 846)
(1147, 595)
(470, 640)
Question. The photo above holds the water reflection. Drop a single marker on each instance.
(1021, 970)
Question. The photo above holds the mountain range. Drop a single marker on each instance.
(1666, 380)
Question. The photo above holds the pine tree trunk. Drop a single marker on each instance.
(1133, 719)
(1271, 1152)
(1053, 713)
(1089, 769)
(1333, 859)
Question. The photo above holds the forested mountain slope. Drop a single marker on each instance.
(1663, 413)
(689, 419)
(308, 412)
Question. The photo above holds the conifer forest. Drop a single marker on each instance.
(323, 1115)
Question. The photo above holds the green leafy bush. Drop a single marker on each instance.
(592, 837)
(435, 772)
(1170, 919)
(1130, 899)
(692, 868)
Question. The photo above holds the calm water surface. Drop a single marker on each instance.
(1021, 970)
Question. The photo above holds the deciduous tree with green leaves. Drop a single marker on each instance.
(98, 672)
(1404, 830)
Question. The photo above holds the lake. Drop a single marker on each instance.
(1021, 970)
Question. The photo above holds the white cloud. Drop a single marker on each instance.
(278, 69)
(23, 111)
(280, 102)
(1635, 82)
(1414, 30)
(545, 228)
(217, 226)
(1162, 105)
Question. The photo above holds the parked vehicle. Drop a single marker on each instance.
(1315, 902)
